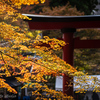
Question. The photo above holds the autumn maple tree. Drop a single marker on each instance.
(31, 70)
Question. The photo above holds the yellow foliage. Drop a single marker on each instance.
(16, 42)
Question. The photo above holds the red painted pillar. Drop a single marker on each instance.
(68, 51)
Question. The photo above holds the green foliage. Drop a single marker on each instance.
(84, 5)
(87, 59)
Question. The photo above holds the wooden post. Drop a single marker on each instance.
(68, 51)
